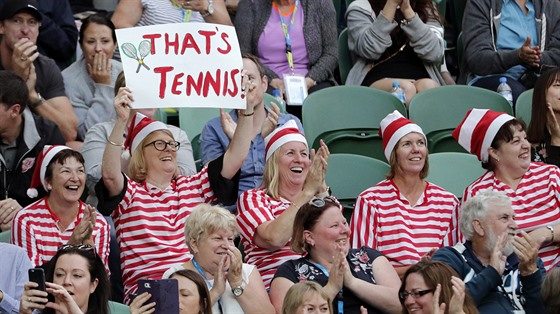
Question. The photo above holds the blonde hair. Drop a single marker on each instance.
(137, 168)
(206, 219)
(271, 176)
(300, 292)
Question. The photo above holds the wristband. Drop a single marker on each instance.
(551, 232)
(39, 101)
(248, 114)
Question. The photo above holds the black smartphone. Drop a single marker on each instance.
(165, 292)
(37, 275)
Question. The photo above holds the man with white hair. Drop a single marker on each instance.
(501, 268)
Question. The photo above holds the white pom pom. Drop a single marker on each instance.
(32, 193)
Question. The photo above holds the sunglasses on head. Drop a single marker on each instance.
(321, 201)
(79, 247)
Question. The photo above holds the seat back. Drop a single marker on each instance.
(440, 110)
(192, 121)
(344, 56)
(524, 106)
(118, 308)
(454, 171)
(5, 236)
(349, 175)
(269, 98)
(347, 112)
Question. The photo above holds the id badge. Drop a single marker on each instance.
(296, 89)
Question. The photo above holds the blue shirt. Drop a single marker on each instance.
(14, 264)
(515, 26)
(214, 143)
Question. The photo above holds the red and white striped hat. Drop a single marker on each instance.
(478, 129)
(288, 132)
(41, 163)
(393, 127)
(140, 127)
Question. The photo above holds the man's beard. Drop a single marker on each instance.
(507, 250)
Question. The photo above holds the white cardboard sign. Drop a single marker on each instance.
(182, 65)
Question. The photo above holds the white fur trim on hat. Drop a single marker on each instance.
(392, 133)
(288, 132)
(142, 134)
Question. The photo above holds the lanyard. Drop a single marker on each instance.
(339, 296)
(186, 13)
(201, 271)
(286, 31)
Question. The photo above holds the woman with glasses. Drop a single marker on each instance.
(96, 140)
(405, 217)
(434, 288)
(76, 282)
(150, 205)
(60, 217)
(266, 214)
(351, 277)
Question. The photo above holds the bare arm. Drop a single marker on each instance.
(111, 166)
(276, 233)
(255, 299)
(59, 110)
(382, 295)
(278, 289)
(127, 13)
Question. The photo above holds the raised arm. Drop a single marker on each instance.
(127, 13)
(111, 166)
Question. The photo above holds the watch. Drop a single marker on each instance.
(39, 101)
(237, 291)
(210, 9)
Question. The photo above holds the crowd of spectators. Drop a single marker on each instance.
(98, 195)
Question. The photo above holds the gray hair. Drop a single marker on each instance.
(477, 208)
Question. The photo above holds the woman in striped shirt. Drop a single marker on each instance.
(405, 217)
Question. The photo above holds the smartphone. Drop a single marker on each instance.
(37, 275)
(165, 292)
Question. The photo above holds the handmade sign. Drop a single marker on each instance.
(182, 65)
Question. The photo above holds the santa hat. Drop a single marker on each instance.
(288, 132)
(393, 127)
(41, 163)
(140, 127)
(478, 129)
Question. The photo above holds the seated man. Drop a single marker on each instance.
(508, 38)
(502, 270)
(19, 26)
(22, 137)
(214, 141)
(14, 264)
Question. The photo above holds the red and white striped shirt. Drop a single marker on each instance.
(384, 220)
(535, 202)
(35, 228)
(150, 223)
(255, 207)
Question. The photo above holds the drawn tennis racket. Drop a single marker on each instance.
(143, 48)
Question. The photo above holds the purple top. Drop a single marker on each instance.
(272, 44)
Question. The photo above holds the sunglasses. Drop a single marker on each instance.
(415, 294)
(321, 201)
(81, 247)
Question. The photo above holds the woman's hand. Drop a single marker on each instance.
(122, 103)
(278, 84)
(219, 280)
(138, 307)
(407, 10)
(64, 303)
(32, 299)
(234, 273)
(458, 298)
(315, 180)
(100, 70)
(337, 273)
(195, 5)
(83, 231)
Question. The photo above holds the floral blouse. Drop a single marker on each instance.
(359, 261)
(544, 152)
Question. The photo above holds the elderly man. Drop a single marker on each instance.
(22, 137)
(19, 26)
(502, 270)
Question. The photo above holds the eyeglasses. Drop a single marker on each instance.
(80, 247)
(161, 145)
(415, 294)
(320, 201)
